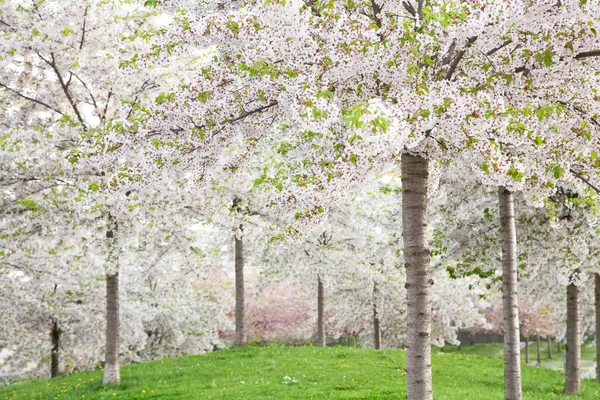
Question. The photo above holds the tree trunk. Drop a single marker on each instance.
(539, 352)
(597, 296)
(526, 349)
(558, 349)
(415, 176)
(376, 328)
(510, 301)
(112, 370)
(549, 348)
(572, 378)
(55, 339)
(320, 314)
(240, 327)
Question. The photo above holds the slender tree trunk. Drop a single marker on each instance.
(526, 349)
(376, 328)
(321, 342)
(112, 369)
(510, 301)
(415, 177)
(572, 373)
(240, 327)
(558, 349)
(54, 360)
(539, 352)
(549, 348)
(597, 297)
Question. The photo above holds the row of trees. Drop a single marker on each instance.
(126, 125)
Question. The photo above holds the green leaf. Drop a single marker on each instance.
(515, 174)
(558, 171)
(486, 168)
(547, 58)
(29, 204)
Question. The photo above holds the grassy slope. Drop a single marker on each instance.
(313, 373)
(588, 354)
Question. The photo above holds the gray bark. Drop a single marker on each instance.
(321, 341)
(549, 348)
(572, 372)
(55, 339)
(597, 297)
(376, 329)
(240, 327)
(112, 369)
(526, 349)
(510, 300)
(415, 177)
(539, 352)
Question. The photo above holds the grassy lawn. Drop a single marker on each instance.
(588, 354)
(298, 373)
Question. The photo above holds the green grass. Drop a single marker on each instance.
(588, 354)
(312, 373)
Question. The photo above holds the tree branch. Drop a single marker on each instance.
(459, 57)
(585, 180)
(409, 7)
(497, 49)
(64, 86)
(88, 89)
(588, 54)
(83, 28)
(255, 111)
(48, 106)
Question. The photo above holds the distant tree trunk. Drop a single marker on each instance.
(55, 339)
(539, 353)
(510, 302)
(558, 349)
(240, 327)
(112, 370)
(320, 313)
(471, 338)
(526, 349)
(376, 328)
(597, 296)
(572, 373)
(549, 348)
(415, 177)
